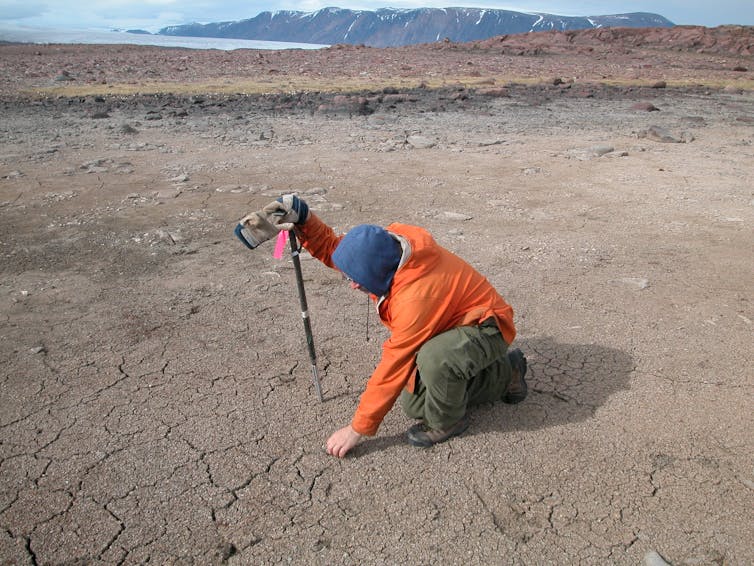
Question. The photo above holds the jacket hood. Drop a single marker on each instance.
(369, 255)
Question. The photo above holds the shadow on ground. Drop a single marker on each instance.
(567, 383)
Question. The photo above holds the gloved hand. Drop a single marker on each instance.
(256, 228)
(288, 210)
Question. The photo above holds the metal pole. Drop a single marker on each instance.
(305, 312)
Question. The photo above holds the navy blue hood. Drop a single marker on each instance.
(370, 256)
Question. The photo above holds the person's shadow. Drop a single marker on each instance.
(567, 383)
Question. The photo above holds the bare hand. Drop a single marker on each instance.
(341, 441)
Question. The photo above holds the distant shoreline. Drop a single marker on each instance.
(97, 37)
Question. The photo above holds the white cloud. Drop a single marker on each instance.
(155, 14)
(15, 9)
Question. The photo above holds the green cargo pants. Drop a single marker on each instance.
(460, 368)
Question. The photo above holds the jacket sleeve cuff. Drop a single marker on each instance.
(362, 427)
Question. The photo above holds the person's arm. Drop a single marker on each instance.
(318, 238)
(411, 326)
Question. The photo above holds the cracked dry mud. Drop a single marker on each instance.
(156, 402)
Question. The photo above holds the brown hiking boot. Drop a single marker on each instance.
(421, 435)
(517, 388)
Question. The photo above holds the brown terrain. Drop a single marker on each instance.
(156, 402)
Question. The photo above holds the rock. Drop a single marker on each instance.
(652, 558)
(584, 154)
(124, 168)
(600, 150)
(420, 142)
(498, 92)
(229, 189)
(13, 175)
(396, 98)
(315, 191)
(99, 115)
(38, 350)
(645, 106)
(456, 216)
(658, 134)
(660, 84)
(638, 282)
(128, 129)
(167, 194)
(64, 76)
(184, 178)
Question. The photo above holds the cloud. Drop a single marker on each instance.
(155, 14)
(16, 10)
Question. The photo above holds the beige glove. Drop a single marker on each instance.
(256, 228)
(287, 211)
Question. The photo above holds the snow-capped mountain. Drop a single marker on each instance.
(392, 27)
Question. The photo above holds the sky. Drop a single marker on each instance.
(151, 15)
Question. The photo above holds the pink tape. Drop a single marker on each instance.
(280, 244)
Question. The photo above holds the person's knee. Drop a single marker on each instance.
(433, 365)
(412, 405)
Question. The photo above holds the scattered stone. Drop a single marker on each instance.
(583, 154)
(124, 168)
(226, 550)
(645, 106)
(695, 120)
(638, 282)
(13, 175)
(740, 69)
(658, 134)
(315, 191)
(153, 115)
(660, 84)
(557, 81)
(64, 76)
(343, 104)
(169, 237)
(95, 166)
(420, 142)
(167, 194)
(532, 171)
(456, 216)
(498, 92)
(486, 143)
(184, 178)
(397, 98)
(652, 558)
(229, 189)
(38, 350)
(128, 129)
(600, 150)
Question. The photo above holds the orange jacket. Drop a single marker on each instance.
(433, 291)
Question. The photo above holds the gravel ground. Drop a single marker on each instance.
(156, 402)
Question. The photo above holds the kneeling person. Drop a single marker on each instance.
(449, 328)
